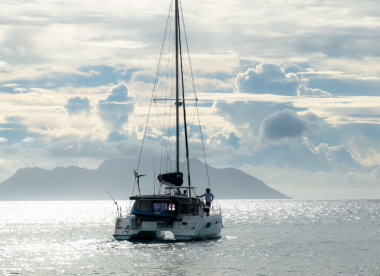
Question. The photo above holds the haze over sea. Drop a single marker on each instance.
(260, 237)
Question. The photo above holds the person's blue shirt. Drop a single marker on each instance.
(208, 196)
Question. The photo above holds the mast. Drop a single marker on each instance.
(184, 108)
(176, 83)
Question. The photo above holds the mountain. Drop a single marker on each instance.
(116, 176)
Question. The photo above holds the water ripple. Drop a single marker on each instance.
(260, 237)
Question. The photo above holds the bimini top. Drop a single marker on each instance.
(156, 197)
(186, 187)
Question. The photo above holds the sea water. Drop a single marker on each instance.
(260, 237)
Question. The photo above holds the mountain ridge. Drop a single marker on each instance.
(116, 176)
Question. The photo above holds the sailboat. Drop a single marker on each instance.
(177, 209)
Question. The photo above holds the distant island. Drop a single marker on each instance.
(116, 176)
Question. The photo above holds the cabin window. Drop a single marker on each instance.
(159, 207)
(171, 207)
(145, 205)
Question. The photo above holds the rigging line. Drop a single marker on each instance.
(172, 91)
(164, 144)
(188, 51)
(170, 60)
(164, 141)
(192, 123)
(158, 115)
(155, 82)
(195, 93)
(163, 131)
(203, 146)
(169, 144)
(192, 116)
(158, 79)
(168, 125)
(168, 23)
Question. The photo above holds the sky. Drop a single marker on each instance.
(289, 91)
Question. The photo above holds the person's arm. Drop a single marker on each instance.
(212, 198)
(200, 196)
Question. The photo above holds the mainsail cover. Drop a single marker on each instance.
(171, 179)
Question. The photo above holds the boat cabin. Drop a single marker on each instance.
(171, 206)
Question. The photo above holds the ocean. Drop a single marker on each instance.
(260, 237)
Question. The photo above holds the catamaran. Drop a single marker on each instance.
(176, 209)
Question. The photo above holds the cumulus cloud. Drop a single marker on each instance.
(292, 68)
(373, 157)
(28, 140)
(252, 113)
(115, 109)
(334, 155)
(268, 78)
(222, 139)
(77, 106)
(288, 124)
(271, 78)
(3, 140)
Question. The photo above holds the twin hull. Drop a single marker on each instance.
(190, 227)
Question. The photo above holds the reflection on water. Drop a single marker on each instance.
(260, 237)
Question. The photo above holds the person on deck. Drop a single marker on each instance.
(208, 196)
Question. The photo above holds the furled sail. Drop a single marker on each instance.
(171, 179)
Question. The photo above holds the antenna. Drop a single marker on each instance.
(137, 176)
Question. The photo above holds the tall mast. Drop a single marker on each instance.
(176, 83)
(184, 107)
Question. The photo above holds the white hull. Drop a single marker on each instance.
(189, 228)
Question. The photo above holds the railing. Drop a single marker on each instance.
(215, 209)
(129, 207)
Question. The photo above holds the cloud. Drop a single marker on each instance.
(3, 140)
(14, 119)
(78, 57)
(303, 183)
(116, 137)
(221, 139)
(144, 76)
(288, 124)
(292, 68)
(240, 113)
(13, 132)
(271, 78)
(315, 93)
(77, 106)
(373, 157)
(334, 155)
(116, 108)
(268, 78)
(346, 84)
(297, 153)
(19, 45)
(28, 140)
